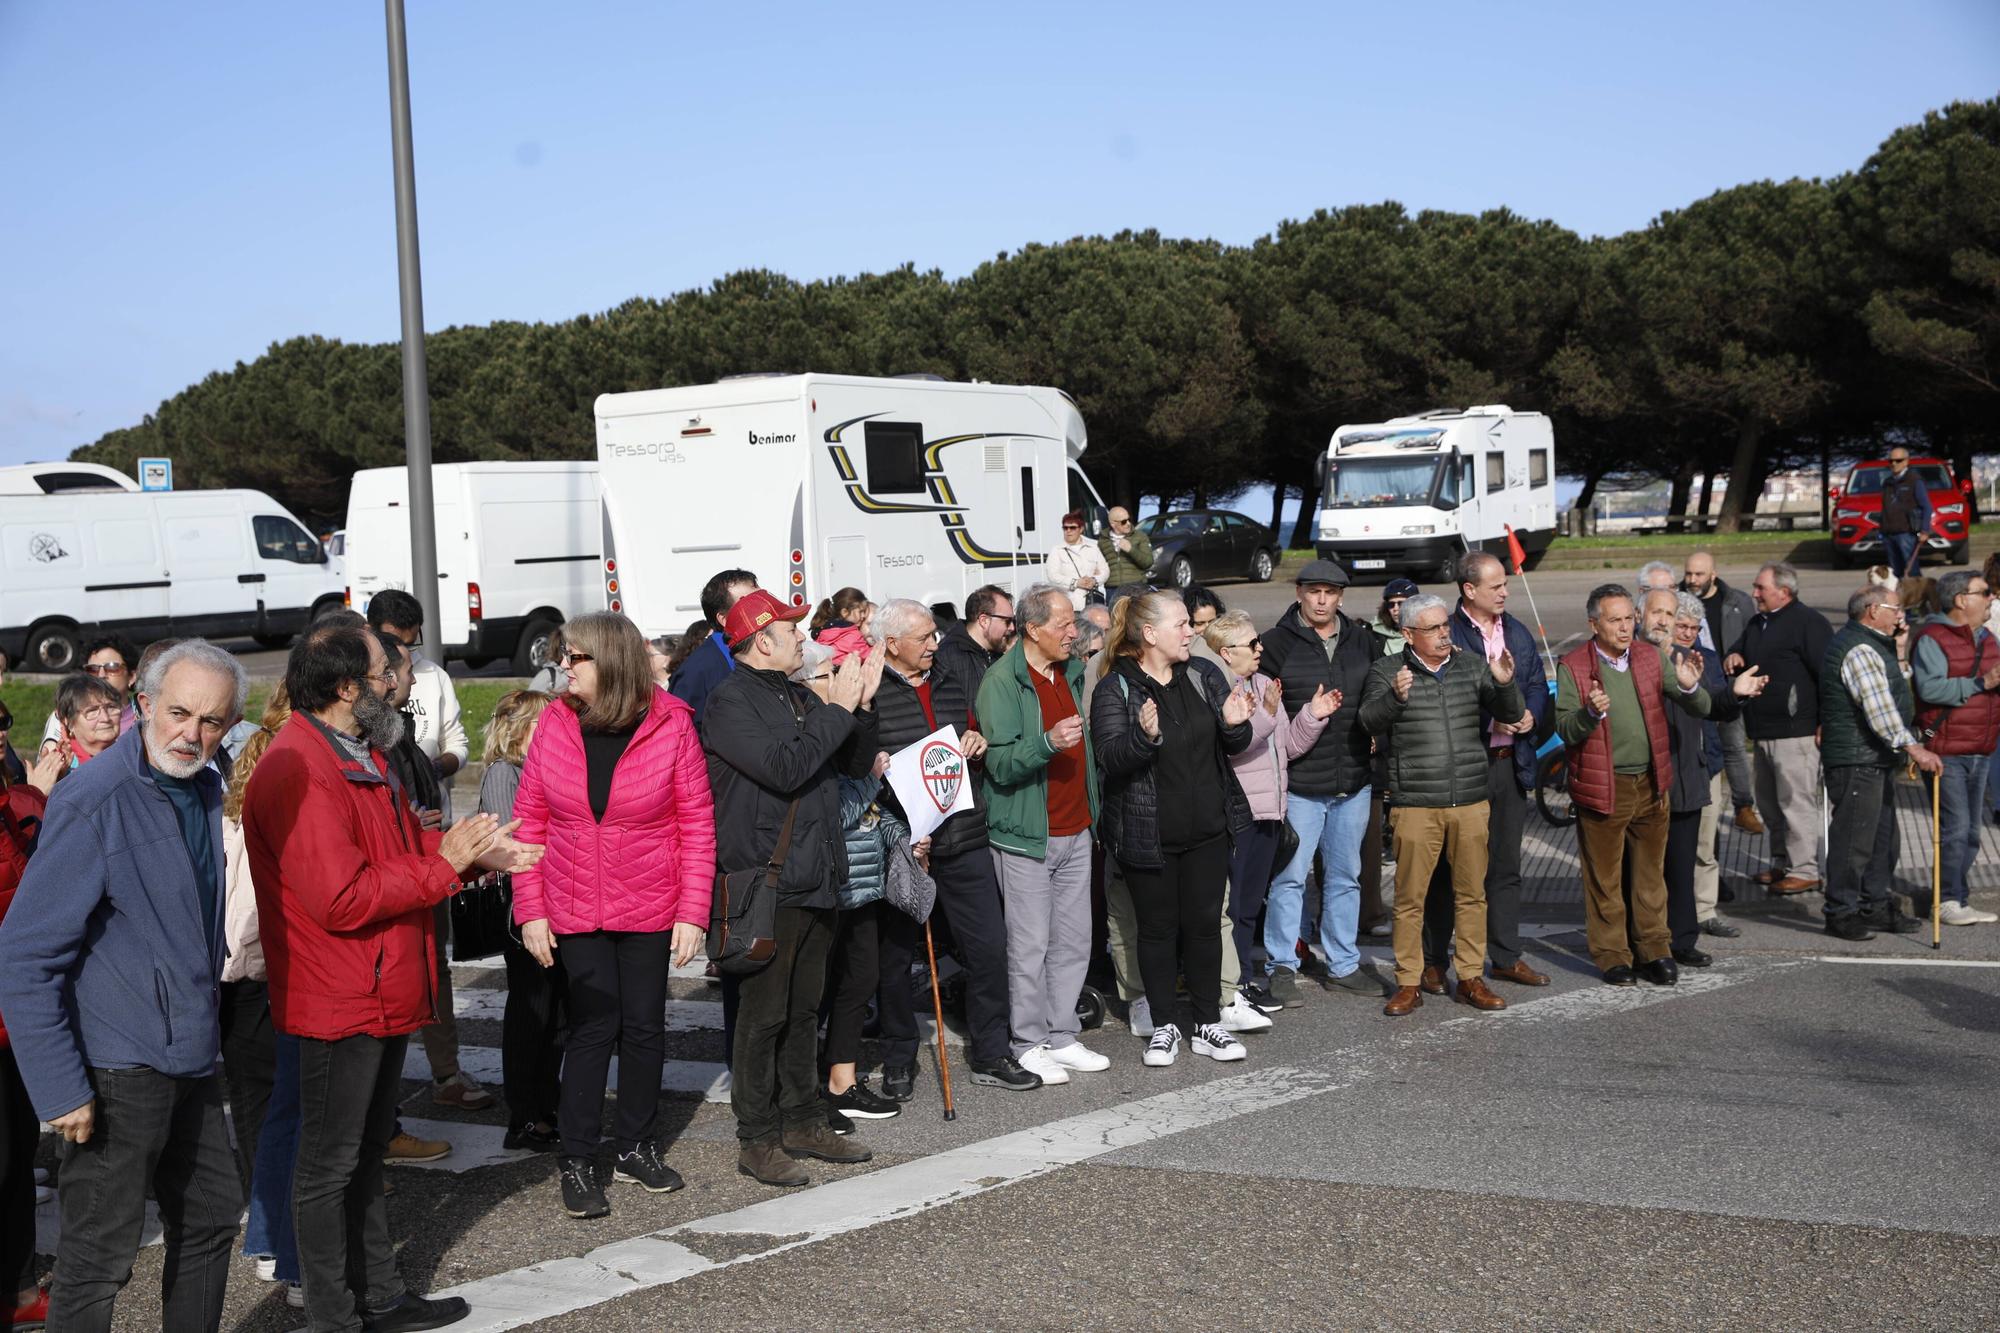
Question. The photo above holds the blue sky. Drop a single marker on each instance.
(185, 184)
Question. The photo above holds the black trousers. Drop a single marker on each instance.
(531, 1035)
(774, 1070)
(149, 1129)
(1179, 906)
(1507, 821)
(20, 1131)
(897, 938)
(1683, 841)
(249, 1063)
(348, 1091)
(855, 972)
(1250, 866)
(969, 895)
(617, 1000)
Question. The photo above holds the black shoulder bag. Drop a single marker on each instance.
(743, 913)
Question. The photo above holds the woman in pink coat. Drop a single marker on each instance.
(616, 788)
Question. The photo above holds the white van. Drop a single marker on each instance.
(1414, 494)
(518, 551)
(917, 487)
(218, 564)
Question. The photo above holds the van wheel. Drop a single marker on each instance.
(532, 653)
(54, 649)
(1262, 566)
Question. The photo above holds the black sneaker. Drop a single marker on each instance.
(1851, 928)
(1284, 987)
(899, 1082)
(837, 1121)
(860, 1102)
(1894, 923)
(528, 1138)
(416, 1312)
(1007, 1073)
(1721, 928)
(1260, 998)
(583, 1196)
(644, 1166)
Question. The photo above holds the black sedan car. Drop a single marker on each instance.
(1203, 545)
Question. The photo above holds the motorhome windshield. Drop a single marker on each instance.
(1377, 483)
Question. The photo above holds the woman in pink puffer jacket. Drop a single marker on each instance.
(616, 788)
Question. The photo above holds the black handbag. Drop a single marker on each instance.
(743, 913)
(481, 918)
(1288, 847)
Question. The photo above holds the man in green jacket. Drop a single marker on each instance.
(1129, 553)
(1040, 783)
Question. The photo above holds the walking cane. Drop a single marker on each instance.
(937, 1007)
(1937, 863)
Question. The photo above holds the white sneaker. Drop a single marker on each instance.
(1213, 1041)
(1242, 1016)
(295, 1295)
(43, 1193)
(1077, 1056)
(1039, 1060)
(1140, 1018)
(1955, 913)
(1983, 917)
(1165, 1047)
(267, 1270)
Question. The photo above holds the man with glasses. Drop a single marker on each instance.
(1867, 719)
(1906, 515)
(1955, 669)
(919, 693)
(1128, 554)
(976, 643)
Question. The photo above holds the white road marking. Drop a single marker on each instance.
(1911, 962)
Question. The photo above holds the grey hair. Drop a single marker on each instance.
(1037, 606)
(1652, 567)
(1416, 606)
(1089, 638)
(1606, 592)
(76, 691)
(1784, 575)
(1871, 594)
(1690, 608)
(1952, 586)
(203, 654)
(895, 618)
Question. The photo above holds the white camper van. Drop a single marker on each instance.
(62, 479)
(1413, 494)
(518, 551)
(919, 488)
(213, 563)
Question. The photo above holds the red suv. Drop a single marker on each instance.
(1857, 511)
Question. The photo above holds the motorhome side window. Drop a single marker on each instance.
(1447, 486)
(281, 539)
(1538, 467)
(1496, 473)
(895, 457)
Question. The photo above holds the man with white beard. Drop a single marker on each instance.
(114, 951)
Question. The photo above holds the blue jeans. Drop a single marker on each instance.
(1898, 549)
(269, 1233)
(1333, 826)
(1961, 808)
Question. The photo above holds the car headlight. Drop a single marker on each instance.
(1419, 529)
(1850, 513)
(1953, 510)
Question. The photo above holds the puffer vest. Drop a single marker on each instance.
(1592, 781)
(1974, 726)
(1846, 739)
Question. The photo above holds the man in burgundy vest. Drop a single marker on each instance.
(1611, 712)
(1955, 669)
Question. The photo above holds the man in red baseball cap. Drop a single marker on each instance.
(756, 610)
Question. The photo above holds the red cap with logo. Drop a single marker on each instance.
(753, 611)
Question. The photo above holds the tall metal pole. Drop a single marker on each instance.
(416, 382)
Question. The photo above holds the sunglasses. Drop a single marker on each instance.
(6, 718)
(571, 659)
(104, 668)
(1072, 527)
(1008, 621)
(1254, 645)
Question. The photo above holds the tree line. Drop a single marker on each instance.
(1757, 329)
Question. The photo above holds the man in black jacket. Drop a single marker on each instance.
(919, 694)
(1726, 613)
(974, 644)
(1786, 640)
(1314, 646)
(776, 751)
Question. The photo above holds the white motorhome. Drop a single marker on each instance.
(218, 564)
(1413, 494)
(518, 552)
(917, 487)
(62, 479)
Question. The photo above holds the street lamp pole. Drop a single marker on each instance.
(416, 382)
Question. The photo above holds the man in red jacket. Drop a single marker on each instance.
(346, 881)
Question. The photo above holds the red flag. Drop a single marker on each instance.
(1514, 551)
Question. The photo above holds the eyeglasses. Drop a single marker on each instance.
(101, 711)
(569, 658)
(1899, 458)
(387, 677)
(105, 668)
(1008, 621)
(1439, 628)
(1254, 645)
(1072, 527)
(1121, 522)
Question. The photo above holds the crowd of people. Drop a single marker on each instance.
(201, 911)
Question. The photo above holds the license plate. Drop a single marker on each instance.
(1371, 564)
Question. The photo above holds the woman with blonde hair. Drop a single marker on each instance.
(537, 996)
(615, 785)
(1163, 730)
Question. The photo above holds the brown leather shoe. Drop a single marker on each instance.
(1403, 1001)
(1791, 885)
(1479, 995)
(1432, 980)
(1746, 819)
(1520, 974)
